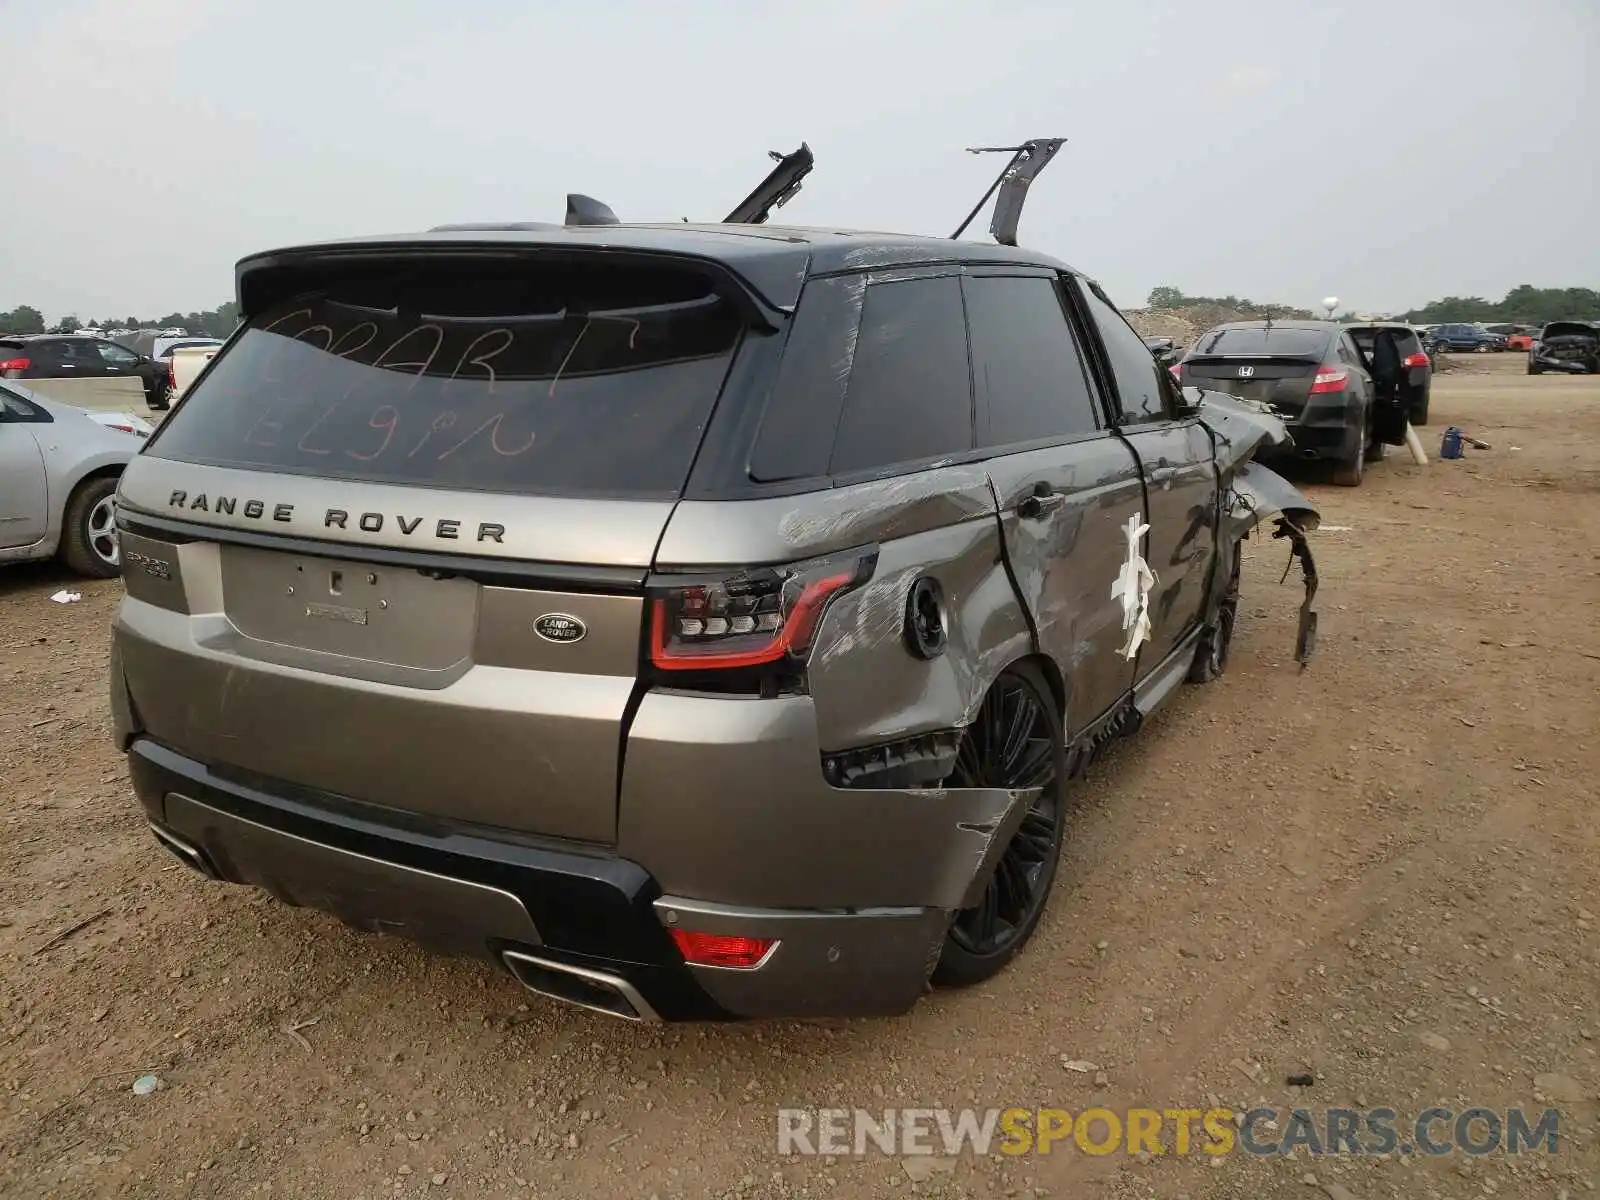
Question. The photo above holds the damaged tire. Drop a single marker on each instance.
(1016, 741)
(1211, 655)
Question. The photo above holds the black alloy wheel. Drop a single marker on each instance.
(1015, 742)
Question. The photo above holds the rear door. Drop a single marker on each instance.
(1066, 486)
(1381, 372)
(409, 518)
(51, 358)
(1179, 473)
(121, 363)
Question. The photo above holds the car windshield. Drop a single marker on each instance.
(562, 380)
(1259, 341)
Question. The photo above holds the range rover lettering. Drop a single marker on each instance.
(698, 621)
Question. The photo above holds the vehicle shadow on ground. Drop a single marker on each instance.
(50, 575)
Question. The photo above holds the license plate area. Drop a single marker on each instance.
(377, 613)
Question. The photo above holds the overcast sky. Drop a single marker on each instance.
(1385, 152)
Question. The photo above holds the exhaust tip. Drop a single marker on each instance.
(598, 991)
(189, 855)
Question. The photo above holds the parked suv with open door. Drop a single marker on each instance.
(1312, 373)
(1416, 382)
(681, 616)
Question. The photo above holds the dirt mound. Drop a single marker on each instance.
(1186, 323)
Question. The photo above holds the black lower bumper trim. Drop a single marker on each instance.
(592, 911)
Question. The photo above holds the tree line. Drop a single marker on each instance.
(217, 322)
(1522, 305)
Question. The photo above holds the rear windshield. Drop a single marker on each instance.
(551, 379)
(1263, 343)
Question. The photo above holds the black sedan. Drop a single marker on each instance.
(64, 356)
(1341, 405)
(1418, 365)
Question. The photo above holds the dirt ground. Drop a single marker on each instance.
(1384, 871)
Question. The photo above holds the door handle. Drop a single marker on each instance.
(1042, 502)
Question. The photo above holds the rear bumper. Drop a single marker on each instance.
(1324, 429)
(1575, 366)
(548, 914)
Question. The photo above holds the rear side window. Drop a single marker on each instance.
(45, 356)
(15, 408)
(909, 397)
(554, 378)
(1025, 362)
(802, 413)
(1260, 342)
(1138, 386)
(79, 354)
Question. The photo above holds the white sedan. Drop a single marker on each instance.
(59, 468)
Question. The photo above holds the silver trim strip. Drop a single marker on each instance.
(641, 1007)
(189, 854)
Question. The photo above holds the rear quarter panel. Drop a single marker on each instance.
(73, 450)
(867, 685)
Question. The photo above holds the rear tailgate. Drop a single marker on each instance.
(1284, 383)
(392, 545)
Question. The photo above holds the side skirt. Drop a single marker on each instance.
(1160, 683)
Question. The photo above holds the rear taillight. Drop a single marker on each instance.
(1177, 371)
(18, 365)
(1330, 378)
(172, 373)
(1419, 359)
(758, 617)
(722, 950)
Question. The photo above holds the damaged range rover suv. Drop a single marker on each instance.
(699, 621)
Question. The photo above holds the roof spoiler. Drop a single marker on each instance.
(776, 190)
(1027, 160)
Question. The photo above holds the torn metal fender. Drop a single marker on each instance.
(997, 829)
(1256, 494)
(1240, 427)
